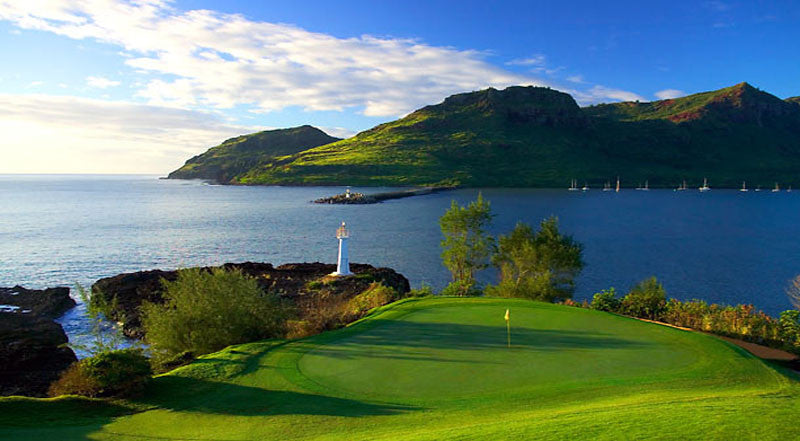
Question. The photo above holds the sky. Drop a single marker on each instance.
(121, 86)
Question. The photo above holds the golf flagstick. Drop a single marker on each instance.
(508, 327)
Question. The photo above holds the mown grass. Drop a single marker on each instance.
(439, 368)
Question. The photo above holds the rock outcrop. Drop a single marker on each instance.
(300, 283)
(47, 303)
(32, 346)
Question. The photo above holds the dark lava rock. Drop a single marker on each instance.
(297, 282)
(47, 303)
(32, 354)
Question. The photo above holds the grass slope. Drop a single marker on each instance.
(538, 137)
(440, 369)
(238, 155)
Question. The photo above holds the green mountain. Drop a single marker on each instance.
(539, 137)
(238, 155)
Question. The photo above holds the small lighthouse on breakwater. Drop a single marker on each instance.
(343, 264)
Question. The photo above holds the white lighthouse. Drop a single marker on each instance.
(343, 264)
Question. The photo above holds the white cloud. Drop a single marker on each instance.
(598, 94)
(339, 132)
(576, 79)
(535, 60)
(667, 94)
(224, 60)
(101, 82)
(52, 134)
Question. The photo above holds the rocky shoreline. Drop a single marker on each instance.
(348, 198)
(32, 345)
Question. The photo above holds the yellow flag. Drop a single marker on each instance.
(508, 316)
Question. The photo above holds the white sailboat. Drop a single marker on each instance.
(617, 184)
(744, 186)
(682, 187)
(758, 188)
(645, 188)
(585, 187)
(607, 186)
(776, 189)
(705, 186)
(573, 186)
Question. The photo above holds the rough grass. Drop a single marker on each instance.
(440, 369)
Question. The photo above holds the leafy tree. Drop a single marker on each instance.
(647, 299)
(104, 336)
(205, 311)
(538, 265)
(606, 300)
(794, 292)
(466, 246)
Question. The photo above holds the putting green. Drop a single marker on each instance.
(440, 368)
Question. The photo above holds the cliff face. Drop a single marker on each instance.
(304, 284)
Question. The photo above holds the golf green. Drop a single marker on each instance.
(441, 368)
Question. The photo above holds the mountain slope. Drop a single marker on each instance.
(539, 137)
(238, 155)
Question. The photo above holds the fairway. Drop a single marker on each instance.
(440, 368)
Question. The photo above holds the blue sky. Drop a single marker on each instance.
(140, 86)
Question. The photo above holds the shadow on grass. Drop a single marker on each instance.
(399, 339)
(194, 395)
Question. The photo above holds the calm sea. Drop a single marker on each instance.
(721, 246)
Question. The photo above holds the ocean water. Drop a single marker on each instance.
(721, 246)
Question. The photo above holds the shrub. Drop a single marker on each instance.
(462, 288)
(647, 299)
(789, 323)
(205, 311)
(328, 311)
(424, 291)
(606, 300)
(374, 296)
(120, 373)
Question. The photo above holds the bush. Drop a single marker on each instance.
(206, 311)
(789, 323)
(424, 291)
(606, 300)
(647, 299)
(118, 373)
(374, 296)
(460, 288)
(329, 311)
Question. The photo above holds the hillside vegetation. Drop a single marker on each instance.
(539, 137)
(238, 155)
(440, 368)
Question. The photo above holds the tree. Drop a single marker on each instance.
(647, 299)
(205, 311)
(794, 292)
(538, 265)
(466, 246)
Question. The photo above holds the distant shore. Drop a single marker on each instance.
(361, 198)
